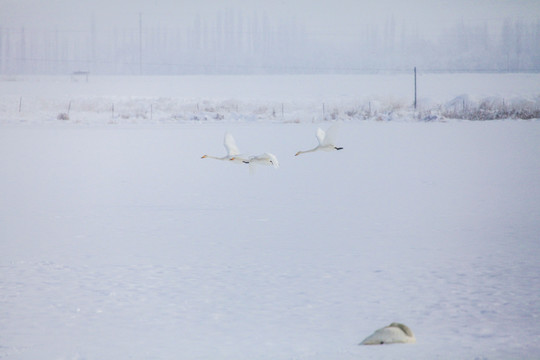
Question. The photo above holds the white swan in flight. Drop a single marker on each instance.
(267, 159)
(395, 333)
(326, 140)
(233, 154)
(263, 159)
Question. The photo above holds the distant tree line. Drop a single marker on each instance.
(233, 43)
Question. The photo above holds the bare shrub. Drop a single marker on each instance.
(63, 116)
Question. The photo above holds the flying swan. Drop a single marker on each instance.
(263, 159)
(267, 159)
(326, 140)
(233, 154)
(395, 333)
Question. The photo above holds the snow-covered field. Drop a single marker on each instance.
(117, 241)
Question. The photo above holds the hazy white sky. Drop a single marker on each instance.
(319, 16)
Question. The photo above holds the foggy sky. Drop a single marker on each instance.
(261, 36)
(338, 18)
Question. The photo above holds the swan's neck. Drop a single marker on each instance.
(215, 157)
(307, 151)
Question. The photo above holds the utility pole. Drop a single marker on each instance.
(415, 88)
(140, 43)
(92, 61)
(22, 64)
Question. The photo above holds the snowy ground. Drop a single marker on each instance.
(120, 242)
(297, 98)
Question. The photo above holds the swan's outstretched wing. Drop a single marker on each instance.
(331, 135)
(230, 145)
(321, 136)
(264, 159)
(273, 160)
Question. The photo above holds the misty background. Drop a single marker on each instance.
(260, 37)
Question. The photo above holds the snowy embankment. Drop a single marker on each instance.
(297, 98)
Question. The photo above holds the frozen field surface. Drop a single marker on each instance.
(120, 242)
